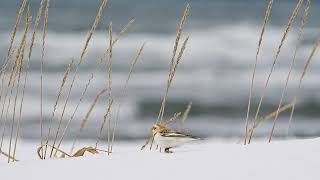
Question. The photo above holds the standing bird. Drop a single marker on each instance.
(167, 138)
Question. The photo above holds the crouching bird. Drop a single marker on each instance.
(167, 138)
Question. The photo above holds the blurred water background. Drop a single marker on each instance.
(214, 73)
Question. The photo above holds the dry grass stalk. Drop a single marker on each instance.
(12, 79)
(124, 92)
(183, 47)
(64, 79)
(13, 36)
(265, 23)
(272, 115)
(44, 33)
(78, 153)
(91, 150)
(120, 34)
(174, 118)
(173, 61)
(59, 150)
(109, 130)
(20, 65)
(185, 116)
(4, 91)
(171, 77)
(85, 119)
(10, 87)
(15, 27)
(73, 114)
(8, 156)
(275, 58)
(104, 122)
(306, 66)
(300, 38)
(83, 52)
(109, 64)
(124, 29)
(35, 29)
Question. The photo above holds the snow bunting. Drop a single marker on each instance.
(167, 139)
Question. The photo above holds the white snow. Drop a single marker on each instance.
(211, 159)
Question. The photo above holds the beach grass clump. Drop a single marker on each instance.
(264, 26)
(274, 61)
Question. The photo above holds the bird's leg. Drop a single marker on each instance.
(167, 150)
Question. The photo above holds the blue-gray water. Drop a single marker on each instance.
(214, 73)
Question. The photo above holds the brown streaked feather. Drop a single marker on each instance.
(176, 134)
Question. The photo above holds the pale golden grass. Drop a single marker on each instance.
(63, 82)
(182, 119)
(85, 119)
(44, 34)
(173, 62)
(8, 156)
(109, 65)
(12, 80)
(306, 66)
(300, 38)
(13, 36)
(265, 23)
(20, 66)
(275, 58)
(174, 118)
(4, 91)
(35, 29)
(107, 114)
(124, 93)
(78, 153)
(83, 52)
(185, 116)
(120, 34)
(271, 115)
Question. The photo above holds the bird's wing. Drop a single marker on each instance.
(177, 134)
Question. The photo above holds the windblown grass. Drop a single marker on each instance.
(20, 59)
(265, 23)
(12, 39)
(78, 153)
(107, 114)
(300, 38)
(44, 34)
(275, 58)
(124, 93)
(85, 119)
(64, 79)
(12, 77)
(109, 66)
(185, 116)
(35, 30)
(119, 35)
(306, 66)
(271, 115)
(174, 63)
(83, 52)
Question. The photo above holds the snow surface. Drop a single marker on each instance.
(211, 159)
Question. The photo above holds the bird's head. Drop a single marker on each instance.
(158, 128)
